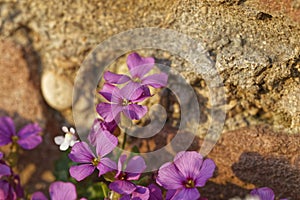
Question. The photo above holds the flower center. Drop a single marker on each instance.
(125, 102)
(95, 161)
(15, 138)
(122, 176)
(136, 79)
(68, 135)
(190, 183)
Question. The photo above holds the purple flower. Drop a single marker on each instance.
(155, 192)
(81, 153)
(98, 127)
(28, 137)
(187, 172)
(4, 169)
(140, 193)
(123, 185)
(264, 193)
(10, 188)
(58, 191)
(122, 101)
(138, 68)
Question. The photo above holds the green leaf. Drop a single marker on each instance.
(62, 166)
(97, 191)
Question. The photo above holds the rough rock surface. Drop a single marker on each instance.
(255, 46)
(21, 99)
(246, 158)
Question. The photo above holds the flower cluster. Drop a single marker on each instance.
(125, 100)
(120, 175)
(27, 138)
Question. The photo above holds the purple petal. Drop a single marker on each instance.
(263, 193)
(171, 193)
(188, 163)
(111, 93)
(111, 77)
(105, 143)
(135, 111)
(7, 130)
(139, 66)
(18, 188)
(4, 189)
(155, 192)
(38, 196)
(30, 142)
(62, 191)
(121, 162)
(156, 80)
(140, 193)
(187, 194)
(169, 177)
(99, 125)
(106, 165)
(135, 166)
(81, 153)
(122, 187)
(29, 130)
(146, 94)
(1, 155)
(4, 170)
(206, 172)
(80, 172)
(132, 91)
(29, 136)
(126, 197)
(109, 112)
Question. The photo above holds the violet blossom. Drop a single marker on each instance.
(28, 137)
(10, 187)
(264, 193)
(121, 101)
(138, 67)
(98, 127)
(58, 191)
(182, 177)
(123, 185)
(81, 153)
(155, 192)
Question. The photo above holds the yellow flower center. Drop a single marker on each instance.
(95, 161)
(136, 79)
(125, 102)
(15, 138)
(190, 184)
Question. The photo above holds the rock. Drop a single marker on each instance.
(19, 97)
(57, 90)
(255, 44)
(256, 157)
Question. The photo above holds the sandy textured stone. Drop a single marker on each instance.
(57, 90)
(19, 96)
(255, 44)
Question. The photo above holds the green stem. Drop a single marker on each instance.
(124, 139)
(13, 156)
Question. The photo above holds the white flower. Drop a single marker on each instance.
(66, 141)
